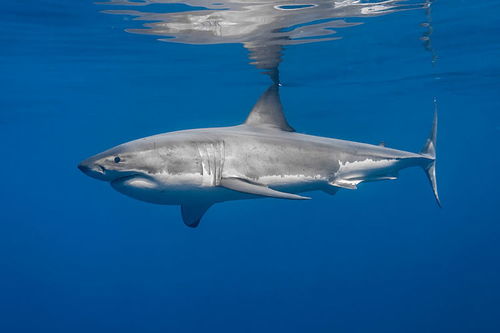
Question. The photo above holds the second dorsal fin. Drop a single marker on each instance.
(268, 111)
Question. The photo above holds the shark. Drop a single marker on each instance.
(262, 158)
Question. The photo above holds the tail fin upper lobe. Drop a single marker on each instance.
(429, 151)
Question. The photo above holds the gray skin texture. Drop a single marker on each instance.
(263, 157)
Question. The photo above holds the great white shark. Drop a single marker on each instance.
(262, 158)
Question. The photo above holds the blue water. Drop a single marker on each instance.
(76, 256)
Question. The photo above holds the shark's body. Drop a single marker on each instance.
(262, 158)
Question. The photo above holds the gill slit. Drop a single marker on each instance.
(212, 157)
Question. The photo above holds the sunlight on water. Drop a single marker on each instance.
(263, 27)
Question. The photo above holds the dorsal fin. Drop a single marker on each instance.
(268, 111)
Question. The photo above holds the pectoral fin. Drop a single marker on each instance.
(247, 186)
(193, 212)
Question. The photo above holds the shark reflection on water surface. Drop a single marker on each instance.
(262, 158)
(262, 26)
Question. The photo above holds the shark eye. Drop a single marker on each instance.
(117, 159)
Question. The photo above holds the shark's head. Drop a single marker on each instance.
(130, 165)
(148, 169)
(114, 164)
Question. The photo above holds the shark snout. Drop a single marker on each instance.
(92, 169)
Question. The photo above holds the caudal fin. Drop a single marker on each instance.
(429, 151)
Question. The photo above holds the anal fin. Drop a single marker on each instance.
(247, 186)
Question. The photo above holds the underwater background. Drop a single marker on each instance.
(76, 256)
